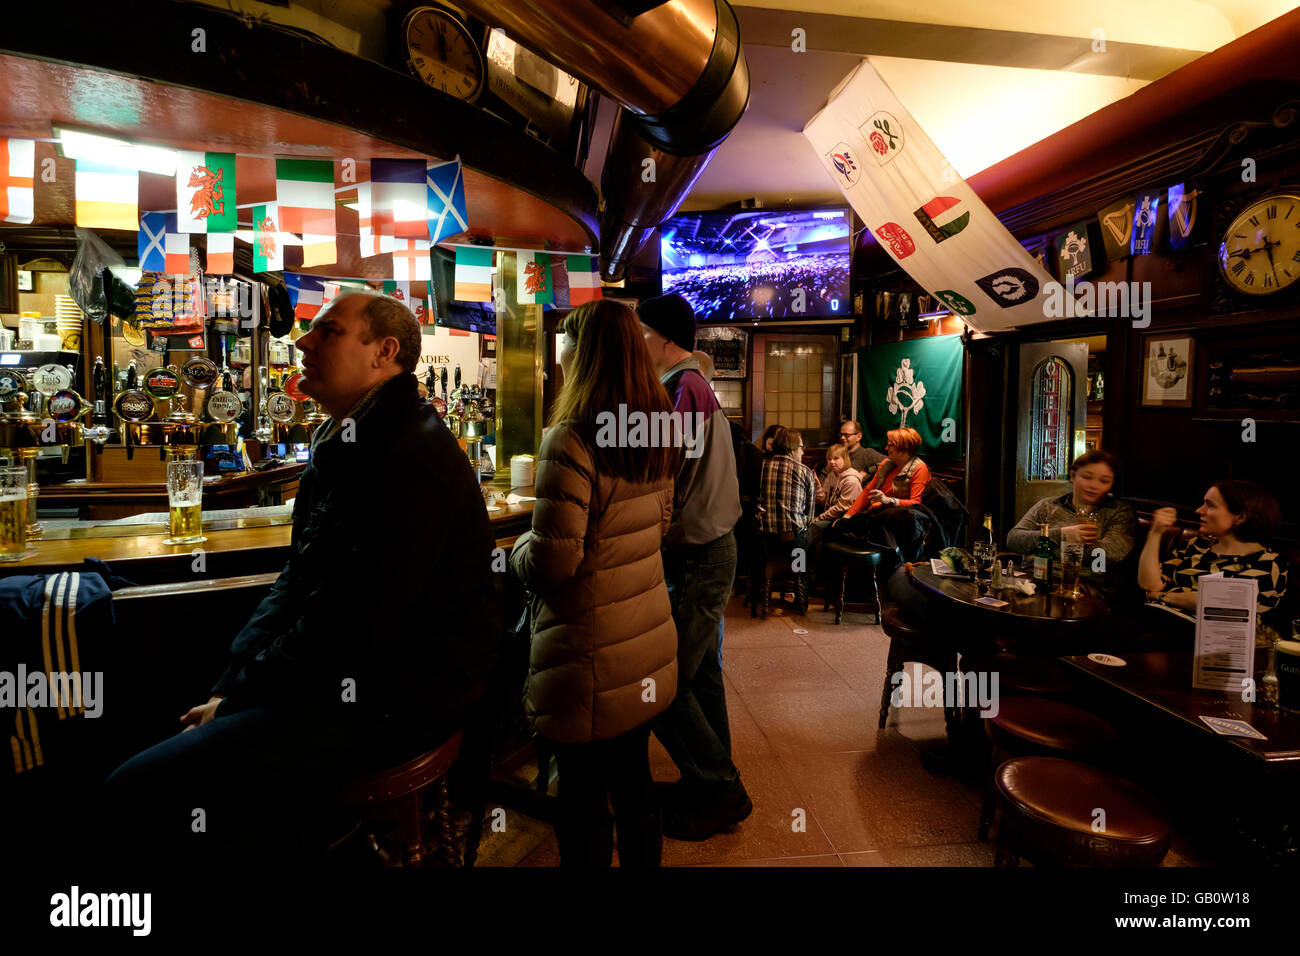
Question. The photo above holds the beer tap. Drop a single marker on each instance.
(99, 380)
(444, 383)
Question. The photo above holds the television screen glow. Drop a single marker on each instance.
(753, 264)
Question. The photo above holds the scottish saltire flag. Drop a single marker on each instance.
(584, 279)
(150, 242)
(446, 200)
(17, 179)
(268, 250)
(535, 285)
(473, 274)
(107, 196)
(397, 198)
(306, 293)
(221, 253)
(205, 192)
(411, 260)
(928, 220)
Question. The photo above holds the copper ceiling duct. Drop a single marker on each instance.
(679, 73)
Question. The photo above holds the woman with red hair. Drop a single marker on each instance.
(901, 477)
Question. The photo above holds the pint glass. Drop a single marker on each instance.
(13, 513)
(185, 500)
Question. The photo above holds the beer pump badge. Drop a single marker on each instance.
(64, 405)
(293, 388)
(49, 379)
(224, 406)
(200, 372)
(12, 383)
(161, 383)
(280, 407)
(134, 405)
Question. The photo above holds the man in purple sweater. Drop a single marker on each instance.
(699, 555)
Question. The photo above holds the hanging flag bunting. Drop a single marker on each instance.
(149, 243)
(1144, 223)
(365, 222)
(329, 292)
(928, 220)
(1183, 207)
(446, 200)
(535, 285)
(304, 191)
(107, 196)
(398, 197)
(17, 176)
(584, 279)
(399, 290)
(306, 294)
(1117, 227)
(318, 250)
(221, 253)
(268, 250)
(473, 274)
(411, 260)
(1073, 249)
(176, 248)
(205, 192)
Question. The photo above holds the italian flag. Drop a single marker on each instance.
(304, 191)
(584, 280)
(205, 192)
(221, 253)
(17, 176)
(534, 281)
(473, 274)
(107, 196)
(268, 249)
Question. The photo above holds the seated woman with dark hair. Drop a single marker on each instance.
(1112, 525)
(765, 443)
(1236, 516)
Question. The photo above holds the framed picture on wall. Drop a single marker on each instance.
(1168, 370)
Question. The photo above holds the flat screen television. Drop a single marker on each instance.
(451, 313)
(759, 264)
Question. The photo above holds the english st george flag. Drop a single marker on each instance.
(17, 175)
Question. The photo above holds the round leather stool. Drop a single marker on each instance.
(1055, 811)
(849, 555)
(1027, 726)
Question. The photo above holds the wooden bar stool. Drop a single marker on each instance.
(1028, 726)
(908, 643)
(412, 798)
(1056, 812)
(851, 555)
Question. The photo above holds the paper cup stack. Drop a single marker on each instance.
(69, 321)
(521, 471)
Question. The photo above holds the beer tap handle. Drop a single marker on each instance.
(458, 375)
(444, 383)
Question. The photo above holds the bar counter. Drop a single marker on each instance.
(254, 543)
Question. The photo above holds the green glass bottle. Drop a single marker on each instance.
(1043, 555)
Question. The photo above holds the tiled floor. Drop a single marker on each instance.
(829, 788)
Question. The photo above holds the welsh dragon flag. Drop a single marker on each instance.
(205, 192)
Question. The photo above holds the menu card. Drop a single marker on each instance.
(1225, 632)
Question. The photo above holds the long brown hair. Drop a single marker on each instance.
(611, 366)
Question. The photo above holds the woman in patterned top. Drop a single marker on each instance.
(1235, 517)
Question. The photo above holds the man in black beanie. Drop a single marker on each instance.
(699, 558)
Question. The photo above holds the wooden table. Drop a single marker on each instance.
(1037, 608)
(1162, 681)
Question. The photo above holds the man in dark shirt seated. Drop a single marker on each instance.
(375, 640)
(863, 459)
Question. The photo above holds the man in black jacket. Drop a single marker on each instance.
(377, 637)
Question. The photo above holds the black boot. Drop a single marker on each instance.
(641, 844)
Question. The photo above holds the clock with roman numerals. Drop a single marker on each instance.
(1260, 251)
(441, 52)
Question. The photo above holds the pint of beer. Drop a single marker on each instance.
(13, 513)
(185, 501)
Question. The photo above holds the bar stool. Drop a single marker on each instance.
(400, 797)
(908, 643)
(770, 568)
(1026, 726)
(854, 555)
(1054, 812)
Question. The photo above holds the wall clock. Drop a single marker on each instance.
(1260, 250)
(440, 51)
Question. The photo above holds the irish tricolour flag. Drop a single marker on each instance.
(473, 274)
(205, 192)
(107, 196)
(304, 191)
(17, 174)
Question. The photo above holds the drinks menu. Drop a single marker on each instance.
(1225, 632)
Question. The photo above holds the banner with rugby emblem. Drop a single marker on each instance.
(925, 216)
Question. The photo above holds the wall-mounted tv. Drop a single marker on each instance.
(759, 264)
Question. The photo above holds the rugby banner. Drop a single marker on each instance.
(921, 212)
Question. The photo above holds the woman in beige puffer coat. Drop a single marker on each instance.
(604, 648)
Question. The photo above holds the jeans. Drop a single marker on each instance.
(694, 728)
(597, 773)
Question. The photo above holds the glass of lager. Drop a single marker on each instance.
(13, 513)
(185, 499)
